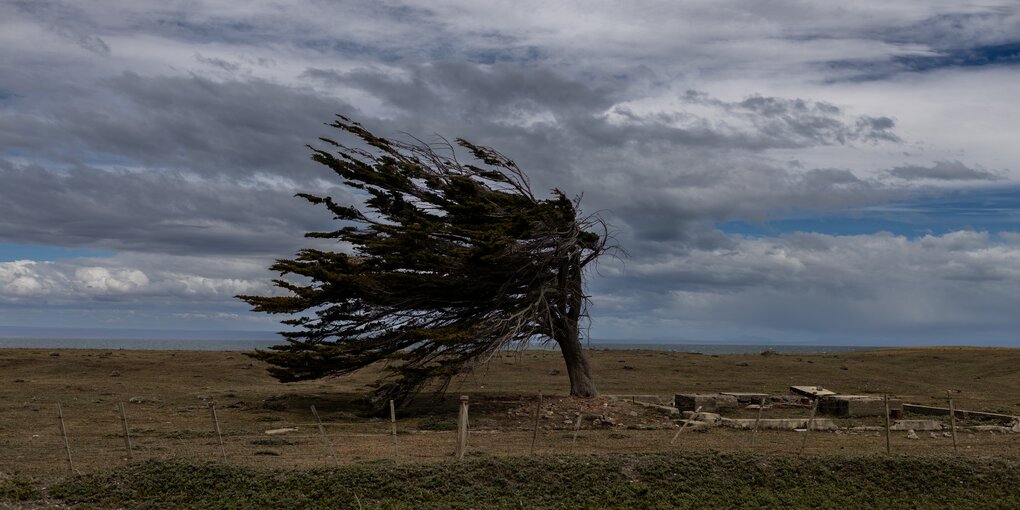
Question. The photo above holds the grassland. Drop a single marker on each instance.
(172, 432)
(690, 480)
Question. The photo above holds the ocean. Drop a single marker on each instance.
(248, 345)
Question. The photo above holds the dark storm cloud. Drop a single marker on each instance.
(660, 176)
(154, 212)
(190, 123)
(944, 171)
(459, 88)
(951, 40)
(1007, 54)
(801, 123)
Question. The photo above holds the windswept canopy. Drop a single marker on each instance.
(447, 263)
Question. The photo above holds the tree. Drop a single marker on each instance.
(450, 263)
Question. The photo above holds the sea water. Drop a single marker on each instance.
(192, 344)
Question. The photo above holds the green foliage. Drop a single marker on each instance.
(449, 263)
(687, 480)
(16, 489)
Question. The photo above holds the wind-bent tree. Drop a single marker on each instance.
(450, 262)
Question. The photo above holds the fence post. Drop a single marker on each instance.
(757, 421)
(393, 427)
(534, 431)
(63, 433)
(684, 426)
(952, 421)
(462, 428)
(127, 433)
(810, 423)
(325, 438)
(577, 428)
(219, 434)
(888, 428)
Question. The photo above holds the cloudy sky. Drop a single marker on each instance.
(783, 171)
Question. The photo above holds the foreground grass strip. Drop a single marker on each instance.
(690, 480)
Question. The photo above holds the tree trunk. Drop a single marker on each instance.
(578, 369)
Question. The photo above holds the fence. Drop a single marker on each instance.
(78, 442)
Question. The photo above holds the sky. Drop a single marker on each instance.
(777, 171)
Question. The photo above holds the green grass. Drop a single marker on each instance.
(16, 489)
(688, 480)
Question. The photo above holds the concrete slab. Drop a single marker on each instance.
(823, 424)
(811, 391)
(708, 402)
(747, 398)
(850, 406)
(960, 413)
(648, 399)
(922, 425)
(709, 418)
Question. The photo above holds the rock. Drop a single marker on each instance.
(709, 418)
(947, 434)
(140, 400)
(1015, 426)
(667, 410)
(202, 397)
(286, 430)
(54, 354)
(554, 372)
(933, 435)
(991, 428)
(115, 374)
(911, 434)
(633, 413)
(693, 425)
(922, 425)
(743, 364)
(823, 424)
(628, 367)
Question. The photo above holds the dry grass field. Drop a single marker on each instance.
(171, 392)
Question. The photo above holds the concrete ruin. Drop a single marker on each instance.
(811, 391)
(853, 406)
(707, 402)
(823, 424)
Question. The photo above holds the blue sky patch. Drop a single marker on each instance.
(989, 210)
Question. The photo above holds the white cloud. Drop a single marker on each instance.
(128, 277)
(957, 286)
(209, 106)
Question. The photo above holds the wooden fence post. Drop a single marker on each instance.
(810, 423)
(888, 428)
(393, 428)
(534, 431)
(325, 438)
(462, 428)
(952, 421)
(757, 420)
(219, 433)
(684, 426)
(577, 428)
(127, 433)
(63, 433)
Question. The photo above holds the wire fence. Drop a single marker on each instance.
(76, 441)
